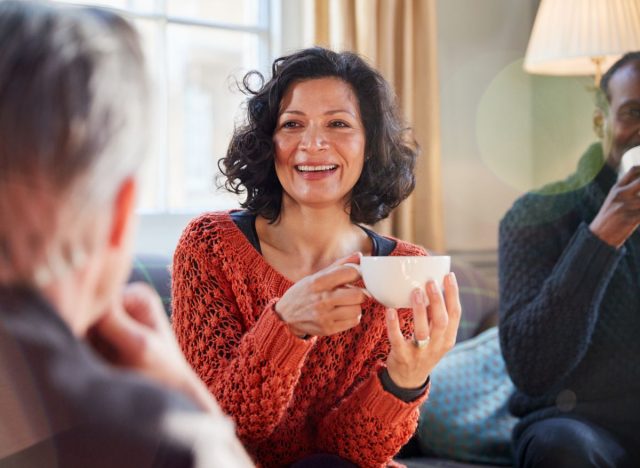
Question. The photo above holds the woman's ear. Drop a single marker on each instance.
(598, 123)
(123, 212)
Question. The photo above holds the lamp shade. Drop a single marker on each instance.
(568, 34)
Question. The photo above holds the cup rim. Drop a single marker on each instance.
(403, 257)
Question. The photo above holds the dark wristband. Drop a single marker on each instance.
(405, 394)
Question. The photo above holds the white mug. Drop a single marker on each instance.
(391, 280)
(629, 159)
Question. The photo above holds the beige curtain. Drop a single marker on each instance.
(399, 39)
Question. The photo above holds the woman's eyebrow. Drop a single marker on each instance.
(329, 112)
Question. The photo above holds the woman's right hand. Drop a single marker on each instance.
(323, 304)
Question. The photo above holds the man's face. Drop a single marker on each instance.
(621, 129)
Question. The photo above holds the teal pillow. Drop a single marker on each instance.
(466, 416)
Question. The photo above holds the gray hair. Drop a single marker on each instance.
(73, 100)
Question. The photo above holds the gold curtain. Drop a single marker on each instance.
(398, 37)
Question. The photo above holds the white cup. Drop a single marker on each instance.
(391, 280)
(629, 159)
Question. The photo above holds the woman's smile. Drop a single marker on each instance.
(319, 141)
(316, 171)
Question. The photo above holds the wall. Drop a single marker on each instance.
(486, 158)
(503, 131)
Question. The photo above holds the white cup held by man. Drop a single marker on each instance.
(391, 280)
(629, 159)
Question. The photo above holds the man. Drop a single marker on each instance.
(570, 298)
(90, 375)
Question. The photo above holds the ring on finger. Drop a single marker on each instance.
(421, 343)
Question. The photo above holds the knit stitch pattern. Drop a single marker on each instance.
(289, 397)
(569, 304)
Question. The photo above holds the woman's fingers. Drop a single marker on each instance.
(421, 329)
(334, 277)
(351, 258)
(316, 303)
(346, 296)
(343, 325)
(338, 273)
(396, 339)
(437, 310)
(454, 309)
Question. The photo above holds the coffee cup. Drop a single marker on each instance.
(629, 159)
(391, 280)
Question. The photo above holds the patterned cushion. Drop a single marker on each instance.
(466, 416)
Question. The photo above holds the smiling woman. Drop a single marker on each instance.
(319, 143)
(265, 307)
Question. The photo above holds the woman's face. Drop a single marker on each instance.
(319, 142)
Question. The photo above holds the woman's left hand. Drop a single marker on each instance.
(435, 327)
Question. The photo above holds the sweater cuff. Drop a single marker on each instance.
(386, 406)
(276, 342)
(405, 394)
(588, 263)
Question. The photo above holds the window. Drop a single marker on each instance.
(196, 50)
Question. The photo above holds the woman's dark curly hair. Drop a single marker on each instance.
(390, 152)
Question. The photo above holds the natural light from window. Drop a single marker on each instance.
(196, 50)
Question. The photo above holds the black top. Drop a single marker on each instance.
(246, 222)
(79, 411)
(382, 246)
(570, 306)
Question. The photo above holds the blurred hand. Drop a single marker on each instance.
(324, 304)
(619, 215)
(409, 365)
(135, 333)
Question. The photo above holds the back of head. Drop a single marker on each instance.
(73, 96)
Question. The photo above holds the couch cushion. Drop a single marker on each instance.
(466, 416)
(478, 297)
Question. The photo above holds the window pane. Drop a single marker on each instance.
(153, 194)
(239, 12)
(203, 101)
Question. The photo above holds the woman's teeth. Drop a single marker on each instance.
(316, 168)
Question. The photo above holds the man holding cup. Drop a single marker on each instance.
(570, 308)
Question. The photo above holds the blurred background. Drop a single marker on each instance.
(489, 130)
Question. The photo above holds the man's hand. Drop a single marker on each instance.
(619, 215)
(134, 333)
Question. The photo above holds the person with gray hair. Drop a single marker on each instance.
(90, 373)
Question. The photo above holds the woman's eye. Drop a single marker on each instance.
(339, 124)
(290, 124)
(635, 112)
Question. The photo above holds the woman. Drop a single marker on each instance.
(70, 148)
(265, 307)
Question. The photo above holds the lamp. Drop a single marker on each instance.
(582, 37)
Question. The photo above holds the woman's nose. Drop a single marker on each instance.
(313, 139)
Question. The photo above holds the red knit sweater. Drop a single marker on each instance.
(289, 397)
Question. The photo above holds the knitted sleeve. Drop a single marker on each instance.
(552, 279)
(251, 370)
(371, 425)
